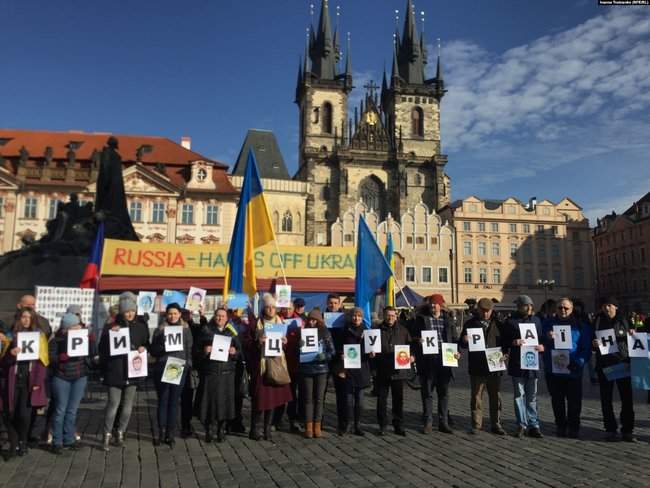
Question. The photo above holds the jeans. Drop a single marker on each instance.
(479, 384)
(566, 398)
(397, 389)
(440, 383)
(168, 399)
(525, 390)
(312, 394)
(355, 404)
(627, 403)
(123, 397)
(67, 397)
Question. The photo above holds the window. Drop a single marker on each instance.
(557, 277)
(410, 273)
(54, 205)
(287, 222)
(576, 235)
(417, 122)
(513, 228)
(496, 276)
(481, 226)
(30, 207)
(495, 227)
(528, 253)
(555, 250)
(419, 240)
(467, 226)
(496, 249)
(513, 250)
(468, 275)
(555, 230)
(158, 213)
(212, 215)
(482, 275)
(201, 174)
(482, 249)
(443, 275)
(528, 277)
(187, 214)
(580, 278)
(409, 239)
(327, 118)
(526, 228)
(541, 250)
(546, 211)
(540, 228)
(135, 211)
(347, 237)
(417, 180)
(467, 248)
(426, 274)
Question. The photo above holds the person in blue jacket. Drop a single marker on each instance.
(566, 387)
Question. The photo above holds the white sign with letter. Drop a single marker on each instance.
(562, 337)
(273, 344)
(372, 341)
(637, 345)
(220, 348)
(476, 339)
(309, 339)
(119, 341)
(29, 344)
(430, 344)
(606, 341)
(529, 334)
(78, 343)
(173, 338)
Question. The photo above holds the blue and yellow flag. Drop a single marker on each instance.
(390, 283)
(252, 229)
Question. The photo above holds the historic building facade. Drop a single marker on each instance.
(505, 248)
(174, 194)
(388, 153)
(423, 246)
(622, 244)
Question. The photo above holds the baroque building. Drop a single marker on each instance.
(388, 154)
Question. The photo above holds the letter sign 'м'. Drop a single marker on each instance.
(173, 338)
(476, 339)
(119, 341)
(29, 343)
(78, 343)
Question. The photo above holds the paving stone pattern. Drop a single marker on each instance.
(416, 460)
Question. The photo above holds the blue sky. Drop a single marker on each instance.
(546, 98)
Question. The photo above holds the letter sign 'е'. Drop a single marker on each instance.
(309, 338)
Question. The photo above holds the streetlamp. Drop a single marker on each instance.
(547, 285)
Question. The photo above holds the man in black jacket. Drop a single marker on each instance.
(481, 378)
(388, 378)
(609, 365)
(431, 372)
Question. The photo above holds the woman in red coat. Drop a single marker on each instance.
(265, 395)
(23, 384)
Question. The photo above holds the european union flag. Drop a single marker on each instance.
(372, 270)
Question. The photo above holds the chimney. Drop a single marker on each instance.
(186, 142)
(532, 203)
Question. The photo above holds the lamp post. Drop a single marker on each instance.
(546, 285)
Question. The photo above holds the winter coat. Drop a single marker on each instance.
(36, 381)
(157, 348)
(477, 362)
(580, 352)
(511, 333)
(319, 363)
(621, 330)
(431, 364)
(115, 370)
(66, 367)
(356, 377)
(207, 366)
(397, 335)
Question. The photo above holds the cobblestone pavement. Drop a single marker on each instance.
(372, 461)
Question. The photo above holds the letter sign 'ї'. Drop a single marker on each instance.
(562, 337)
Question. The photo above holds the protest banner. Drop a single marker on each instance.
(495, 359)
(146, 302)
(529, 358)
(449, 351)
(173, 372)
(195, 298)
(283, 296)
(273, 344)
(402, 357)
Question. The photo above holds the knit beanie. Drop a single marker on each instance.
(127, 302)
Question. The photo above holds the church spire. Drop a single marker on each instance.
(439, 80)
(411, 55)
(323, 51)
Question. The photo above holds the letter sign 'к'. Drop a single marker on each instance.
(430, 344)
(119, 341)
(273, 344)
(173, 338)
(29, 344)
(562, 337)
(637, 345)
(78, 343)
(476, 339)
(372, 341)
(309, 337)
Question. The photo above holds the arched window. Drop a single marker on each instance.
(417, 122)
(298, 222)
(276, 221)
(418, 180)
(287, 222)
(371, 192)
(327, 118)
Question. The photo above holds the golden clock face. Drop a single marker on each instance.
(371, 118)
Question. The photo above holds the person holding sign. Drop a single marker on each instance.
(393, 334)
(316, 351)
(613, 369)
(23, 380)
(356, 379)
(172, 338)
(521, 330)
(432, 374)
(215, 398)
(565, 388)
(115, 368)
(487, 331)
(269, 375)
(71, 351)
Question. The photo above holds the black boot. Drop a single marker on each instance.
(208, 434)
(357, 429)
(254, 434)
(268, 421)
(221, 431)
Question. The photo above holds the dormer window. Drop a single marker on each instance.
(201, 174)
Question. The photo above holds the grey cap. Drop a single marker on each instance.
(69, 320)
(523, 300)
(75, 309)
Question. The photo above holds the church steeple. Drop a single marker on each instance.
(323, 50)
(411, 54)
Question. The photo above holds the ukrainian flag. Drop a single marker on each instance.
(252, 229)
(390, 284)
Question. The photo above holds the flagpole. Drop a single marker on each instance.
(400, 289)
(277, 249)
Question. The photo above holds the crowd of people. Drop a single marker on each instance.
(295, 383)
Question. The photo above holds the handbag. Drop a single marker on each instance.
(276, 372)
